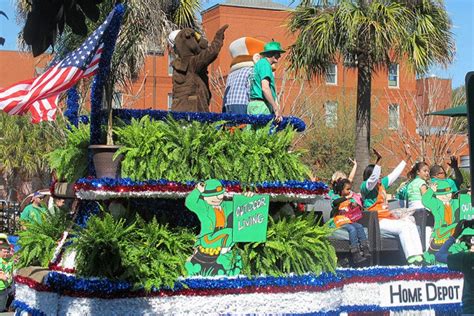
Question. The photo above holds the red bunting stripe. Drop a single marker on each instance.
(247, 290)
(182, 188)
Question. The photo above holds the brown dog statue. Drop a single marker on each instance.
(190, 80)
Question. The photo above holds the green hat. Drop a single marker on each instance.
(213, 187)
(272, 47)
(443, 187)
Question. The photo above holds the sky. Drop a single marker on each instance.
(461, 13)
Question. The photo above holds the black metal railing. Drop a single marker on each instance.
(9, 217)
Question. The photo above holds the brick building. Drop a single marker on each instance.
(397, 95)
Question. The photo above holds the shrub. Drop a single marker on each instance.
(70, 161)
(180, 151)
(146, 254)
(160, 256)
(294, 245)
(39, 240)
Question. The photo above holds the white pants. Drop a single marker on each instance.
(406, 232)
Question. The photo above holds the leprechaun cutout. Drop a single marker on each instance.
(213, 254)
(438, 200)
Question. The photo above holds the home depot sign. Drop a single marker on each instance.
(411, 293)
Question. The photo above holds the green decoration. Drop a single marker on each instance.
(182, 151)
(213, 253)
(446, 212)
(251, 218)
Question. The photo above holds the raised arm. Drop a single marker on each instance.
(374, 178)
(353, 171)
(396, 172)
(208, 55)
(458, 178)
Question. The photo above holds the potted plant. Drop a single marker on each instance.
(106, 165)
(143, 27)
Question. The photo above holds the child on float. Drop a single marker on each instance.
(341, 175)
(373, 190)
(438, 173)
(346, 211)
(6, 271)
(419, 176)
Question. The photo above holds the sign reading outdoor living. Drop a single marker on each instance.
(223, 223)
(404, 293)
(250, 218)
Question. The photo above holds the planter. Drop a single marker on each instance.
(64, 190)
(104, 164)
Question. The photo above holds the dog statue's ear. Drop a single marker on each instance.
(188, 33)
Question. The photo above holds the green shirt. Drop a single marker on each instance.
(370, 197)
(6, 265)
(413, 189)
(333, 196)
(31, 213)
(262, 70)
(464, 262)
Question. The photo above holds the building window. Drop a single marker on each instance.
(331, 74)
(330, 107)
(170, 60)
(393, 116)
(170, 101)
(393, 75)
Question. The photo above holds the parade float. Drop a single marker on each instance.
(133, 249)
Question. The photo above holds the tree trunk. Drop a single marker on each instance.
(108, 99)
(362, 141)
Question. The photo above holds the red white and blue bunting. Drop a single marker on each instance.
(350, 290)
(107, 188)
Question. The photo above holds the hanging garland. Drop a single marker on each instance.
(127, 115)
(106, 188)
(357, 286)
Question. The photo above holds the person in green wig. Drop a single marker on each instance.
(263, 95)
(212, 253)
(438, 200)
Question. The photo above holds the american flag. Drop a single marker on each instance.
(40, 95)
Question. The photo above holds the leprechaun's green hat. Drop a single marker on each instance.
(272, 47)
(443, 187)
(213, 187)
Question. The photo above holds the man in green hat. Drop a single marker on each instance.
(263, 95)
(438, 200)
(212, 249)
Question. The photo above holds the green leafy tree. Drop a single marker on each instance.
(371, 34)
(24, 148)
(145, 26)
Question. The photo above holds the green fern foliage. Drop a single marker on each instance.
(70, 161)
(146, 254)
(160, 256)
(99, 247)
(180, 151)
(39, 240)
(294, 245)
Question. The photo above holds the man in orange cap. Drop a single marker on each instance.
(245, 52)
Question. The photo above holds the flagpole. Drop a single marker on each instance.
(110, 38)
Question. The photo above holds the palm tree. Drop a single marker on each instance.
(23, 149)
(2, 40)
(146, 24)
(373, 34)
